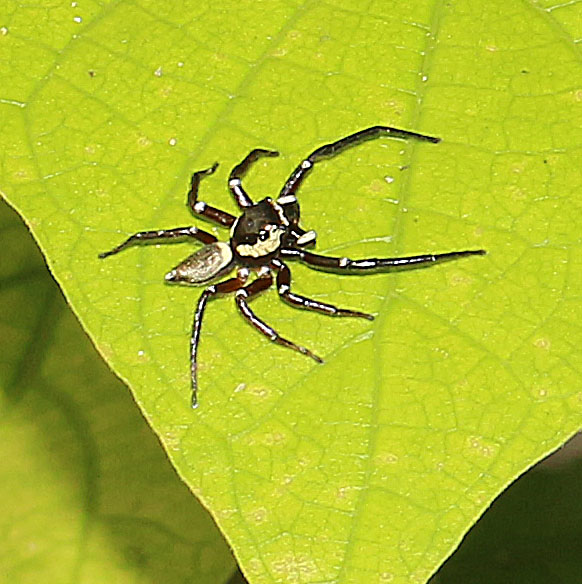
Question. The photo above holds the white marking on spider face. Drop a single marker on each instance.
(199, 207)
(307, 238)
(243, 273)
(306, 164)
(234, 227)
(287, 200)
(262, 248)
(264, 271)
(344, 262)
(280, 212)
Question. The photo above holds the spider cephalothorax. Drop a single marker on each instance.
(261, 238)
(257, 234)
(264, 229)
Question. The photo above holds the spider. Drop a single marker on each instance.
(262, 239)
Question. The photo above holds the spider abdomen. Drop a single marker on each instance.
(202, 265)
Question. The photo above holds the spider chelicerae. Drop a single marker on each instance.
(262, 238)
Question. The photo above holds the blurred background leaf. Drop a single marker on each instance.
(371, 467)
(87, 493)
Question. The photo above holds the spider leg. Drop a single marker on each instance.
(200, 208)
(374, 265)
(224, 287)
(162, 234)
(284, 289)
(329, 150)
(235, 179)
(245, 294)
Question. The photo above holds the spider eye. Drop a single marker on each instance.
(263, 235)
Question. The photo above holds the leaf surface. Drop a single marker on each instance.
(372, 466)
(530, 535)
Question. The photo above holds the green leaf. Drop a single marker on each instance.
(532, 534)
(372, 466)
(87, 494)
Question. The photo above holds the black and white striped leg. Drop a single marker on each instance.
(200, 208)
(244, 294)
(225, 287)
(160, 235)
(329, 150)
(284, 289)
(374, 265)
(235, 179)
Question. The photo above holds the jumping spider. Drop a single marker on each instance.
(265, 235)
